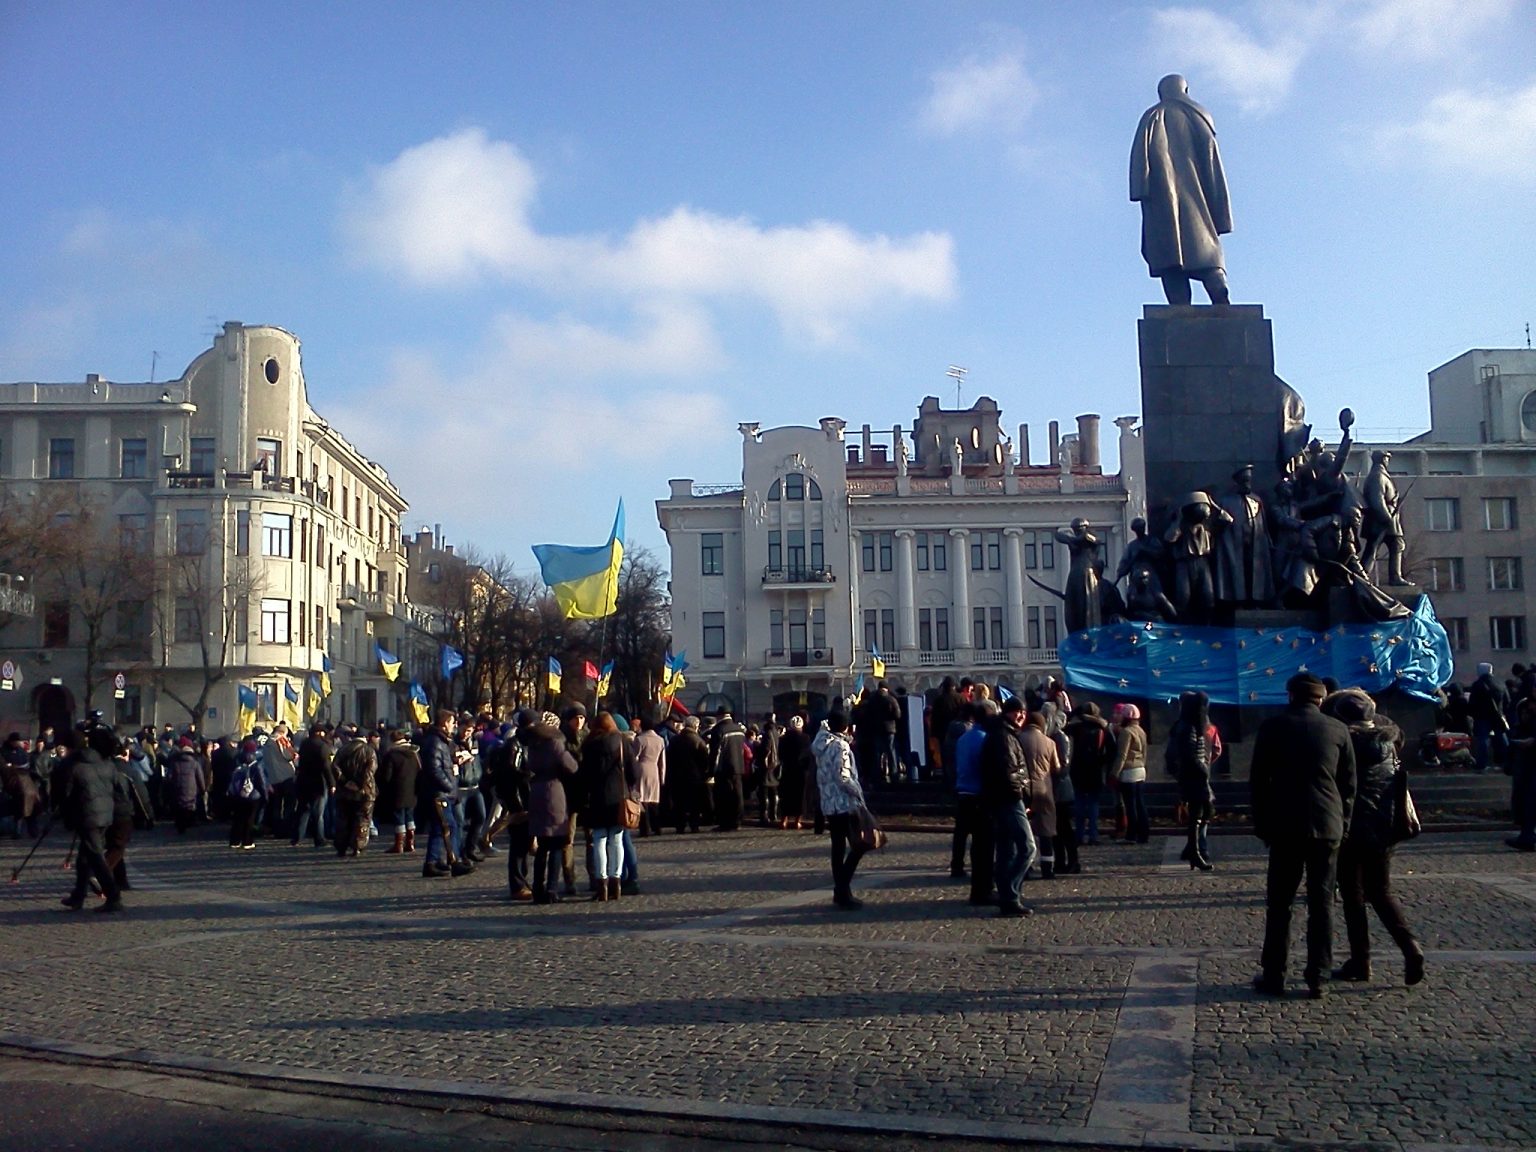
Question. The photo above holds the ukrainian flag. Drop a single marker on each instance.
(325, 675)
(245, 711)
(291, 715)
(420, 711)
(876, 664)
(388, 664)
(554, 675)
(585, 581)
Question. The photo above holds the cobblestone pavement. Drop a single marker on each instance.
(1119, 1014)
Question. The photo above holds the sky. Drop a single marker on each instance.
(542, 256)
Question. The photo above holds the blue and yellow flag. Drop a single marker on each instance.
(245, 711)
(858, 689)
(876, 664)
(388, 664)
(315, 697)
(602, 680)
(325, 675)
(420, 711)
(585, 581)
(554, 675)
(291, 715)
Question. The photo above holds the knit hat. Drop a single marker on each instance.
(1305, 685)
(691, 724)
(1485, 669)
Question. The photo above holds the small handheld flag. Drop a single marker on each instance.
(554, 674)
(876, 664)
(420, 712)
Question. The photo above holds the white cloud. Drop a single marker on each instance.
(542, 443)
(458, 208)
(1425, 29)
(1255, 71)
(672, 342)
(1488, 132)
(994, 93)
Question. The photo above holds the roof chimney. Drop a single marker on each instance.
(1088, 440)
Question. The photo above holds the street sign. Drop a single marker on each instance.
(8, 670)
(119, 681)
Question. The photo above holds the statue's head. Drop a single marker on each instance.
(1079, 526)
(1172, 87)
(1381, 457)
(1142, 579)
(1244, 478)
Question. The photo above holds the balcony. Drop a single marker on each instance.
(277, 483)
(1043, 656)
(935, 659)
(367, 599)
(791, 658)
(797, 576)
(189, 480)
(997, 656)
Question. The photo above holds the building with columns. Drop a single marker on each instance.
(933, 545)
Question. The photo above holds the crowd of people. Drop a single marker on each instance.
(1031, 775)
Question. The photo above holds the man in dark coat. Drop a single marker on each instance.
(398, 768)
(314, 782)
(436, 789)
(727, 752)
(89, 810)
(1005, 790)
(687, 769)
(1303, 783)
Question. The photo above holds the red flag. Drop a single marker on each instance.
(589, 670)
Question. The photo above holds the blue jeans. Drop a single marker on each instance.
(405, 818)
(311, 814)
(1485, 740)
(1015, 852)
(435, 846)
(1085, 816)
(1137, 826)
(630, 872)
(608, 853)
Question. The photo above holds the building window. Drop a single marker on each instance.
(818, 551)
(994, 550)
(1042, 626)
(269, 456)
(303, 532)
(776, 629)
(978, 628)
(925, 629)
(794, 486)
(277, 535)
(320, 636)
(132, 621)
(714, 635)
(867, 552)
(1442, 514)
(712, 553)
(1031, 550)
(886, 544)
(995, 623)
(191, 531)
(871, 629)
(797, 630)
(776, 550)
(319, 544)
(978, 553)
(274, 621)
(240, 627)
(61, 459)
(302, 616)
(242, 532)
(346, 502)
(266, 702)
(133, 531)
(1456, 632)
(940, 552)
(135, 459)
(941, 629)
(56, 624)
(1444, 574)
(922, 551)
(887, 630)
(1508, 633)
(796, 554)
(1499, 513)
(200, 458)
(1050, 626)
(186, 621)
(818, 627)
(1503, 573)
(775, 492)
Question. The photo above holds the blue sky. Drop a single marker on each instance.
(543, 255)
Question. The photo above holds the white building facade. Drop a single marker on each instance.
(931, 546)
(266, 539)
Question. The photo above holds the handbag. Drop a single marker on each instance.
(870, 835)
(1405, 817)
(629, 813)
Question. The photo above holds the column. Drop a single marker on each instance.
(1013, 570)
(906, 595)
(856, 613)
(960, 571)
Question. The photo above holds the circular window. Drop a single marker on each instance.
(1528, 412)
(271, 369)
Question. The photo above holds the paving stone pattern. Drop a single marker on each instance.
(733, 981)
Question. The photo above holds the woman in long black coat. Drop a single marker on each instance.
(1189, 757)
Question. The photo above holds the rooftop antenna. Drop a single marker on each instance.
(957, 374)
(154, 362)
(1527, 333)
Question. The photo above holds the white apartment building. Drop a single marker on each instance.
(264, 539)
(924, 544)
(1468, 503)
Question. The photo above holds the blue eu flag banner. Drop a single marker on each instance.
(453, 660)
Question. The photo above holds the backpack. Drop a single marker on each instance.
(241, 786)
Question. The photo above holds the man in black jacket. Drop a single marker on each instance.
(727, 752)
(314, 782)
(88, 812)
(436, 788)
(1004, 795)
(1303, 784)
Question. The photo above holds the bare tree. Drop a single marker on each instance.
(201, 600)
(639, 629)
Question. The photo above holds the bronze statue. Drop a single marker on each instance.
(1176, 175)
(1081, 605)
(1243, 569)
(1189, 541)
(1144, 600)
(1382, 524)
